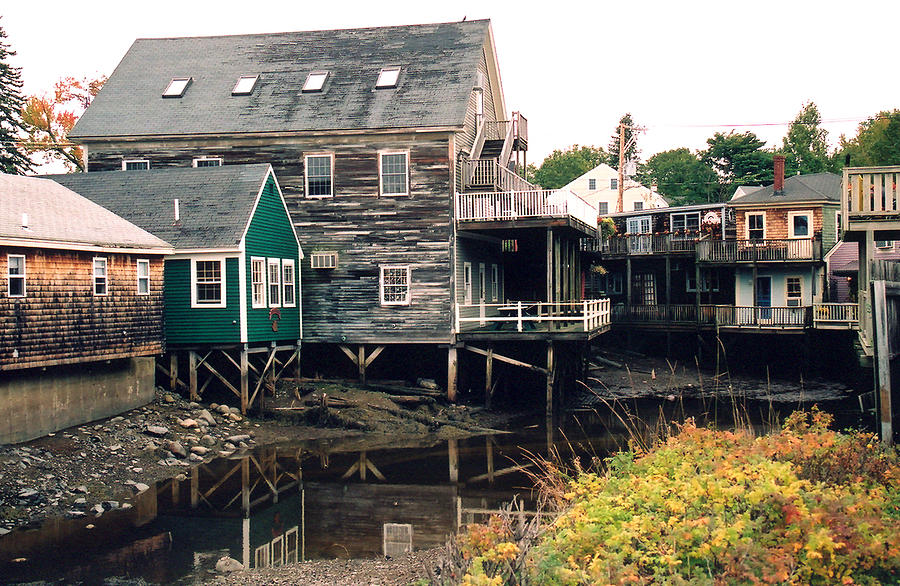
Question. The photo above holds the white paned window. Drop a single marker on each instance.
(323, 260)
(394, 172)
(315, 81)
(135, 165)
(176, 87)
(15, 275)
(638, 206)
(274, 283)
(388, 77)
(257, 282)
(143, 277)
(244, 85)
(603, 208)
(101, 285)
(319, 178)
(800, 224)
(794, 294)
(495, 283)
(289, 297)
(208, 283)
(686, 222)
(208, 162)
(756, 226)
(592, 184)
(614, 183)
(395, 284)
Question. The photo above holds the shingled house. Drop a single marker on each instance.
(232, 284)
(80, 309)
(396, 155)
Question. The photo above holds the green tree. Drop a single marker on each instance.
(877, 141)
(631, 150)
(562, 166)
(13, 158)
(738, 159)
(681, 176)
(805, 147)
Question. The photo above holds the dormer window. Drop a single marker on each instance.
(244, 85)
(315, 81)
(387, 78)
(177, 87)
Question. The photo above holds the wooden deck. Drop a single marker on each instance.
(533, 320)
(841, 316)
(756, 251)
(505, 208)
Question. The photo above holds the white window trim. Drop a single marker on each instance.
(809, 223)
(288, 262)
(306, 158)
(105, 276)
(262, 304)
(319, 257)
(467, 283)
(747, 224)
(321, 87)
(247, 92)
(482, 282)
(381, 270)
(223, 290)
(787, 297)
(380, 85)
(23, 276)
(145, 262)
(495, 282)
(198, 159)
(167, 93)
(592, 184)
(381, 155)
(126, 161)
(273, 262)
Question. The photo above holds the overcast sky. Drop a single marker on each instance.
(683, 69)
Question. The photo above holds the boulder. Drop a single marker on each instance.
(207, 417)
(226, 565)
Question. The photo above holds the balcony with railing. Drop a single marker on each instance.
(533, 319)
(870, 199)
(641, 244)
(530, 208)
(488, 174)
(768, 250)
(844, 316)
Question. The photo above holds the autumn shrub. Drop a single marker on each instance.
(805, 505)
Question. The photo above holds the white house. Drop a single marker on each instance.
(600, 187)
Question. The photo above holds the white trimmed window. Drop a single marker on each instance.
(274, 282)
(884, 244)
(208, 162)
(800, 224)
(315, 81)
(482, 282)
(319, 176)
(323, 260)
(495, 283)
(135, 164)
(592, 184)
(244, 85)
(15, 275)
(467, 283)
(176, 87)
(756, 226)
(794, 293)
(603, 208)
(614, 183)
(257, 282)
(289, 296)
(638, 206)
(101, 284)
(393, 170)
(388, 78)
(394, 283)
(143, 277)
(208, 283)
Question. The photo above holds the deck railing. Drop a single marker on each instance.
(488, 173)
(870, 193)
(514, 205)
(769, 250)
(640, 244)
(836, 315)
(676, 313)
(820, 315)
(519, 316)
(499, 129)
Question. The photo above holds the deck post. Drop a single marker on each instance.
(192, 375)
(628, 283)
(452, 373)
(488, 377)
(173, 372)
(297, 364)
(883, 352)
(245, 486)
(551, 374)
(669, 280)
(195, 487)
(361, 362)
(453, 458)
(245, 378)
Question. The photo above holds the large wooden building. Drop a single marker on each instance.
(82, 287)
(396, 155)
(232, 283)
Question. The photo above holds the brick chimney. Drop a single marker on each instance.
(778, 186)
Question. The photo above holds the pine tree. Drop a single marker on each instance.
(13, 158)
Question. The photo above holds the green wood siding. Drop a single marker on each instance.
(203, 325)
(829, 227)
(271, 236)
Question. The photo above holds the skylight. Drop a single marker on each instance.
(176, 87)
(244, 85)
(388, 77)
(315, 81)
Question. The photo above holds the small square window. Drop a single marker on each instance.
(315, 81)
(592, 184)
(395, 285)
(143, 277)
(388, 77)
(176, 87)
(209, 162)
(100, 276)
(244, 85)
(135, 165)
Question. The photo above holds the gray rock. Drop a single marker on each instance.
(28, 493)
(236, 439)
(229, 446)
(209, 440)
(206, 416)
(98, 510)
(427, 383)
(224, 410)
(140, 487)
(200, 450)
(110, 505)
(157, 430)
(4, 531)
(176, 448)
(117, 419)
(226, 565)
(195, 458)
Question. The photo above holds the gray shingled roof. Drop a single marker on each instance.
(817, 187)
(215, 202)
(57, 214)
(439, 67)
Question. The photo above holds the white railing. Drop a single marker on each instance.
(836, 315)
(584, 316)
(513, 205)
(759, 250)
(486, 172)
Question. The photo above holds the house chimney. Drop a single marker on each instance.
(778, 187)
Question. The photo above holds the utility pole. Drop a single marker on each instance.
(620, 202)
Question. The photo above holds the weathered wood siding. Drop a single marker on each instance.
(776, 221)
(61, 321)
(366, 230)
(271, 236)
(466, 139)
(185, 325)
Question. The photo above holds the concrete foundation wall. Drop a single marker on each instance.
(38, 401)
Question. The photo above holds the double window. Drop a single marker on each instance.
(708, 282)
(393, 171)
(101, 284)
(394, 284)
(319, 175)
(273, 283)
(686, 222)
(15, 275)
